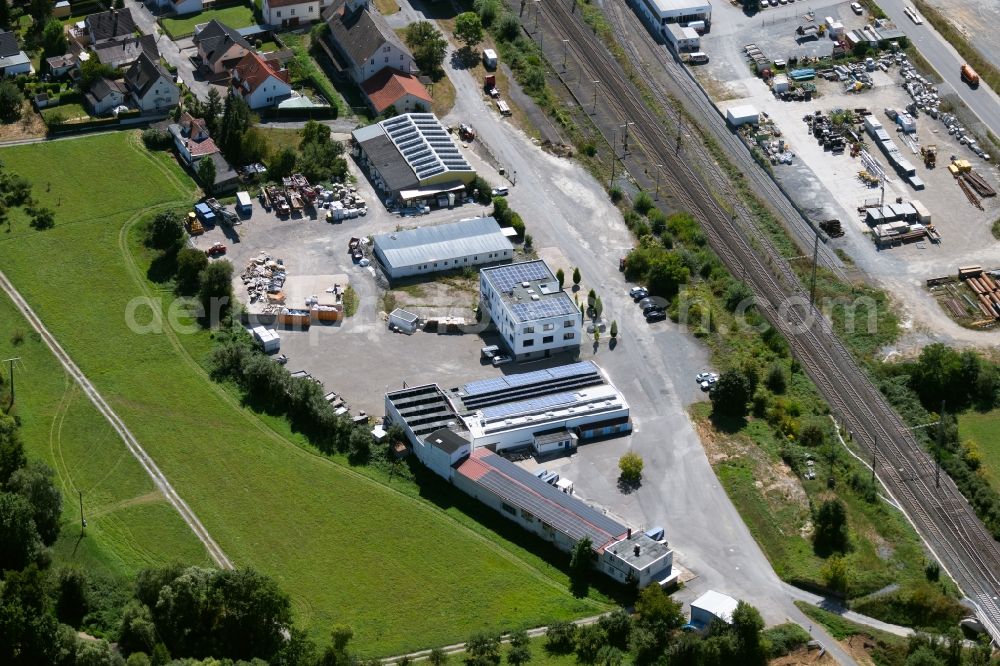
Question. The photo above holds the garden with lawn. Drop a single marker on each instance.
(346, 546)
(236, 17)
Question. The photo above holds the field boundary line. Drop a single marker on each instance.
(147, 463)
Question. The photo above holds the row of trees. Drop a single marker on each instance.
(189, 268)
(318, 158)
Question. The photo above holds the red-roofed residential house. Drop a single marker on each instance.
(393, 88)
(260, 82)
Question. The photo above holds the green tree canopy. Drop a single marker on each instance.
(731, 394)
(35, 482)
(206, 174)
(11, 102)
(469, 29)
(427, 45)
(830, 533)
(19, 540)
(190, 264)
(166, 231)
(216, 291)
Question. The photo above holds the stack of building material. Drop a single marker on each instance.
(987, 292)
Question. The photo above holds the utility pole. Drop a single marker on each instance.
(658, 168)
(625, 139)
(812, 287)
(874, 454)
(940, 443)
(596, 83)
(614, 156)
(538, 10)
(83, 521)
(10, 362)
(565, 53)
(680, 120)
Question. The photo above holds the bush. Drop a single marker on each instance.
(165, 231)
(776, 380)
(643, 203)
(560, 637)
(785, 638)
(616, 194)
(630, 466)
(155, 139)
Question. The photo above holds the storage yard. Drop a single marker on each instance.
(866, 147)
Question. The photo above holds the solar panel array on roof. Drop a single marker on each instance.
(425, 144)
(504, 278)
(532, 405)
(565, 513)
(546, 307)
(525, 378)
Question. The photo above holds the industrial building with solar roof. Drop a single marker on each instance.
(442, 247)
(547, 410)
(460, 433)
(411, 158)
(532, 313)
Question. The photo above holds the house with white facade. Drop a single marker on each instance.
(364, 41)
(220, 47)
(104, 95)
(532, 313)
(151, 87)
(13, 60)
(290, 13)
(261, 83)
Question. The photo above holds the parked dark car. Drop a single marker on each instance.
(656, 315)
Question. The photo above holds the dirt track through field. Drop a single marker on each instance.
(216, 553)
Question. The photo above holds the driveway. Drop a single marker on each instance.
(169, 50)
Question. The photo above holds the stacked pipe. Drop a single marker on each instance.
(988, 292)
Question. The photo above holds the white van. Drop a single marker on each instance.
(698, 58)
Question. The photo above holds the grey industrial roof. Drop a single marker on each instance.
(447, 440)
(523, 490)
(481, 235)
(423, 408)
(412, 148)
(649, 550)
(385, 157)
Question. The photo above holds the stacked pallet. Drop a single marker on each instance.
(988, 293)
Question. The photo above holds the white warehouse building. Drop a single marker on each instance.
(442, 247)
(663, 12)
(682, 38)
(533, 315)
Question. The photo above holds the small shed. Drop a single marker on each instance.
(780, 83)
(61, 9)
(267, 339)
(404, 320)
(742, 115)
(244, 204)
(712, 606)
(554, 441)
(489, 59)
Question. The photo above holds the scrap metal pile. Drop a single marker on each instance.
(264, 278)
(926, 99)
(293, 195)
(342, 202)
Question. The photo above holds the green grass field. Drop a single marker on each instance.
(236, 17)
(401, 571)
(130, 524)
(68, 113)
(984, 430)
(884, 548)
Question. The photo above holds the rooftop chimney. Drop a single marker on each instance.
(636, 550)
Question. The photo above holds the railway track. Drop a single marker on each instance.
(941, 514)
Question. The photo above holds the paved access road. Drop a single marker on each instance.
(983, 101)
(134, 447)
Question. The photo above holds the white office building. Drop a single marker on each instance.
(533, 315)
(663, 12)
